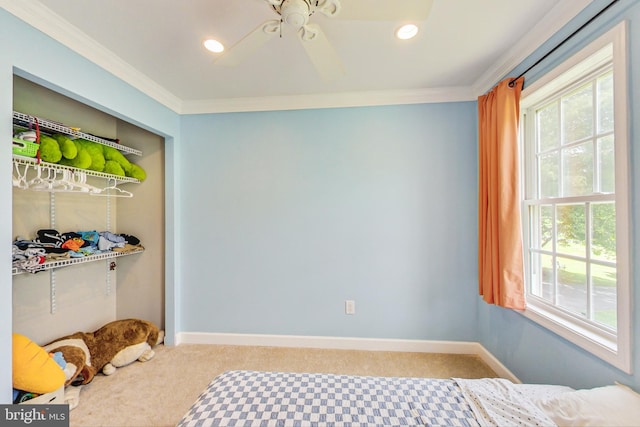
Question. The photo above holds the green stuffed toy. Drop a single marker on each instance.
(112, 167)
(84, 154)
(96, 153)
(137, 172)
(49, 149)
(82, 159)
(67, 146)
(119, 165)
(114, 155)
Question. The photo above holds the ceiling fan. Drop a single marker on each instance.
(297, 14)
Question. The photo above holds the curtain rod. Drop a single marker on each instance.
(512, 82)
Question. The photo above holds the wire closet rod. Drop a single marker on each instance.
(513, 81)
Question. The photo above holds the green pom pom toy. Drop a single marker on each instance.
(113, 168)
(67, 146)
(49, 149)
(137, 172)
(112, 154)
(81, 161)
(95, 152)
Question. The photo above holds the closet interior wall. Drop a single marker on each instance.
(140, 292)
(88, 295)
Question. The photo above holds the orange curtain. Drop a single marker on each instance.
(500, 263)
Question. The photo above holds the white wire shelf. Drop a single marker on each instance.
(30, 161)
(50, 265)
(25, 119)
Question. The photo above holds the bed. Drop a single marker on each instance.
(255, 398)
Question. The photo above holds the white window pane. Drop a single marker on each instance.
(577, 170)
(577, 111)
(546, 227)
(549, 127)
(549, 171)
(604, 295)
(572, 285)
(543, 287)
(605, 103)
(603, 231)
(571, 231)
(606, 164)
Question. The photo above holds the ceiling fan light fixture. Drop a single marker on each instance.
(295, 12)
(407, 32)
(213, 45)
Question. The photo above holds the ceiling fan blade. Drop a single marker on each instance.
(249, 44)
(381, 10)
(321, 52)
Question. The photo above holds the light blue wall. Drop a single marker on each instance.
(531, 352)
(31, 54)
(288, 214)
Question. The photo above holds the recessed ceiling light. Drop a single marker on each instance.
(213, 45)
(407, 31)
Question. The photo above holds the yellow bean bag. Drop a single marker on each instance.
(34, 369)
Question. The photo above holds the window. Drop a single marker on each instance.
(576, 200)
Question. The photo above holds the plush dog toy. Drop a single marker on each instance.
(114, 345)
(78, 369)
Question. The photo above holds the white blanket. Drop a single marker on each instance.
(497, 402)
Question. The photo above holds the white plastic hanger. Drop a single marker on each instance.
(114, 186)
(38, 183)
(79, 181)
(20, 178)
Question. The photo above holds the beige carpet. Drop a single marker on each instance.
(159, 392)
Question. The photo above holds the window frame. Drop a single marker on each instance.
(614, 348)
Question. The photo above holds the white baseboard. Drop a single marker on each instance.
(342, 343)
(496, 365)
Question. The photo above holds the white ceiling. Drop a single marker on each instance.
(463, 47)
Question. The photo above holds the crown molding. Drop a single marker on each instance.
(329, 100)
(550, 24)
(45, 20)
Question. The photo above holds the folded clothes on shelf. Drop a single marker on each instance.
(50, 245)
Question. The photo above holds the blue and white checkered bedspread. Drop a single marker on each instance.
(249, 398)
